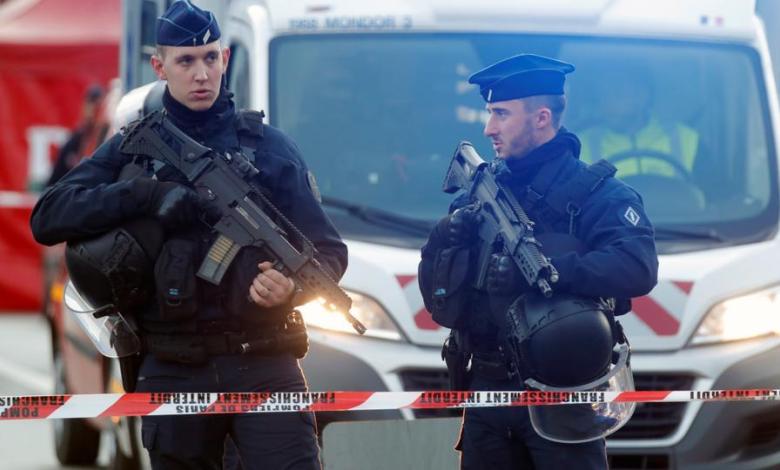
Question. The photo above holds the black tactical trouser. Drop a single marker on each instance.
(503, 438)
(264, 440)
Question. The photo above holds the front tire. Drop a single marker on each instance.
(135, 457)
(75, 441)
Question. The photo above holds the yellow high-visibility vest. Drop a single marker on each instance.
(677, 140)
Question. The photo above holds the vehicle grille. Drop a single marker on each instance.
(650, 420)
(764, 434)
(638, 462)
(428, 379)
(655, 420)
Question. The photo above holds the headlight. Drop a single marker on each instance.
(368, 311)
(743, 317)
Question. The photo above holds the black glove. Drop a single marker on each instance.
(173, 204)
(504, 277)
(460, 227)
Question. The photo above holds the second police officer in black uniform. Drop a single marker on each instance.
(193, 340)
(594, 229)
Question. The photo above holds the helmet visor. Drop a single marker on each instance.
(571, 424)
(105, 326)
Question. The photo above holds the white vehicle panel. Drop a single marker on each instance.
(390, 276)
(689, 285)
(721, 19)
(705, 364)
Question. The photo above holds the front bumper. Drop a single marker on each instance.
(341, 361)
(733, 435)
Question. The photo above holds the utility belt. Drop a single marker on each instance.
(194, 349)
(466, 359)
(493, 365)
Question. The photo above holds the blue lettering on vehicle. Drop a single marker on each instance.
(304, 23)
(360, 22)
(363, 22)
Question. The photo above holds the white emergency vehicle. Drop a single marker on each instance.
(376, 96)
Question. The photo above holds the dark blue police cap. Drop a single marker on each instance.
(520, 76)
(184, 24)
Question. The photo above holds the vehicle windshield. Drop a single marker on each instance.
(378, 118)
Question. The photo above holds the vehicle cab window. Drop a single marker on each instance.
(238, 74)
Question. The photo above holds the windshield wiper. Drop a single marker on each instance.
(667, 233)
(381, 217)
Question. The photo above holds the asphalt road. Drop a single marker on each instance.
(25, 368)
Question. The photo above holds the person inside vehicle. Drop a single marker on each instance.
(657, 157)
(629, 134)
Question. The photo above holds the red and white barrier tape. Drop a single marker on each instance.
(160, 404)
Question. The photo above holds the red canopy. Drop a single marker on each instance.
(50, 52)
(61, 22)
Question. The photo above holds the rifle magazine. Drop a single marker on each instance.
(218, 259)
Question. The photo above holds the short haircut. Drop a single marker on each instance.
(555, 103)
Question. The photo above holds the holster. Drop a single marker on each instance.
(129, 366)
(457, 353)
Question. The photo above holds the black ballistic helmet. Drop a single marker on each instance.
(116, 268)
(565, 341)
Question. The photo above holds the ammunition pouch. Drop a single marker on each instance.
(456, 353)
(451, 292)
(174, 275)
(287, 337)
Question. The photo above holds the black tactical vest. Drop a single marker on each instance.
(185, 302)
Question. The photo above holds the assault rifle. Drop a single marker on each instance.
(224, 181)
(504, 220)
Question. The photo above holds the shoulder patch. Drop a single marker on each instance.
(315, 190)
(631, 216)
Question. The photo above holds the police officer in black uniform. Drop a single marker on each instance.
(193, 341)
(592, 226)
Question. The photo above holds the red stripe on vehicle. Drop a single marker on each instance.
(684, 286)
(655, 316)
(424, 321)
(405, 279)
